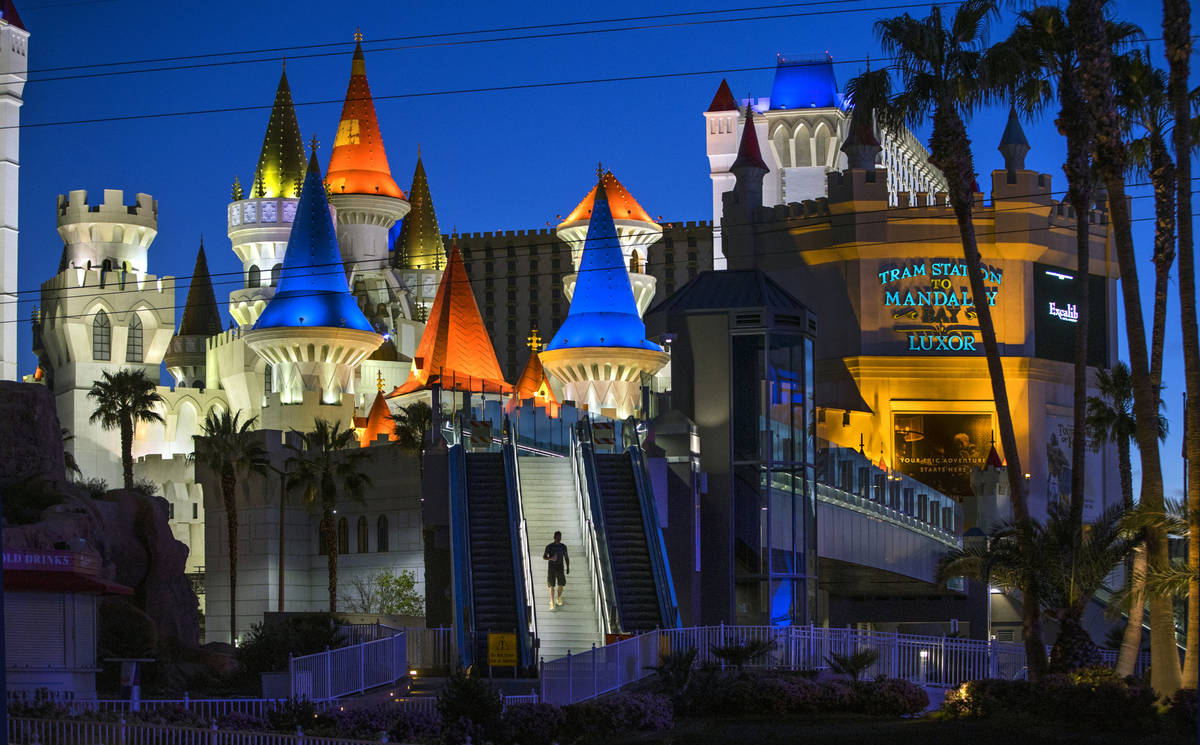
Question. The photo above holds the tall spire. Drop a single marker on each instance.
(200, 314)
(603, 312)
(749, 154)
(358, 163)
(312, 288)
(1013, 144)
(280, 170)
(419, 244)
(455, 350)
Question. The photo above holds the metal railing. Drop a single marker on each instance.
(660, 563)
(346, 670)
(80, 732)
(595, 546)
(460, 544)
(526, 615)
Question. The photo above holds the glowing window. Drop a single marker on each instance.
(101, 337)
(133, 345)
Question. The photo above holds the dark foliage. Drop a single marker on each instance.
(268, 645)
(470, 706)
(534, 724)
(25, 501)
(1089, 698)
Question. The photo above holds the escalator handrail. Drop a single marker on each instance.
(660, 564)
(460, 555)
(526, 623)
(589, 494)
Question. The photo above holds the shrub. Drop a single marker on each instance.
(241, 722)
(854, 664)
(470, 706)
(95, 488)
(285, 717)
(891, 697)
(174, 716)
(804, 696)
(1181, 709)
(1105, 704)
(534, 724)
(266, 648)
(386, 592)
(414, 724)
(41, 705)
(146, 487)
(740, 654)
(623, 712)
(675, 670)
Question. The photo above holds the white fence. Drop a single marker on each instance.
(206, 708)
(925, 660)
(354, 669)
(76, 732)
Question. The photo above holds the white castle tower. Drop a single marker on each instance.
(102, 312)
(14, 61)
(803, 125)
(259, 222)
(636, 232)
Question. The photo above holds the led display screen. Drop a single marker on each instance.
(1056, 313)
(941, 450)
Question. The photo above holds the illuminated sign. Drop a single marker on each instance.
(1057, 315)
(931, 303)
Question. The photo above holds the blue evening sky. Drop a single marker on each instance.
(496, 160)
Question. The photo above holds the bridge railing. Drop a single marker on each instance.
(340, 672)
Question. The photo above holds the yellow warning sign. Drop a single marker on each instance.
(502, 650)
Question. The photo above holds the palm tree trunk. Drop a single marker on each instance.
(951, 153)
(229, 496)
(329, 530)
(127, 450)
(1131, 640)
(1177, 38)
(1095, 58)
(1162, 176)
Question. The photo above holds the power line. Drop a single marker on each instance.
(530, 249)
(339, 266)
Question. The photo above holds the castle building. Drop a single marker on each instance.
(14, 57)
(804, 123)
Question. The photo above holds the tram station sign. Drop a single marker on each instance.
(931, 304)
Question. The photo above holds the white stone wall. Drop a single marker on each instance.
(14, 50)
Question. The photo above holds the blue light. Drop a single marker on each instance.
(312, 287)
(805, 84)
(603, 312)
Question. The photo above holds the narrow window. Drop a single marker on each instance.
(195, 511)
(101, 337)
(255, 276)
(381, 534)
(275, 270)
(363, 533)
(133, 345)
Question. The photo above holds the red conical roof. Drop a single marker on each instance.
(455, 350)
(993, 459)
(749, 153)
(379, 422)
(358, 163)
(620, 201)
(724, 100)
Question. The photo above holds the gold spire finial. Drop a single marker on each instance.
(313, 144)
(534, 340)
(599, 171)
(357, 34)
(379, 381)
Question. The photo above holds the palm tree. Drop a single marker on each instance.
(69, 463)
(1088, 18)
(943, 73)
(328, 459)
(1067, 568)
(413, 423)
(230, 449)
(123, 399)
(1177, 40)
(1040, 61)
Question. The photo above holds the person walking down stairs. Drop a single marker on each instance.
(557, 569)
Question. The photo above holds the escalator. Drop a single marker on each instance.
(489, 592)
(645, 596)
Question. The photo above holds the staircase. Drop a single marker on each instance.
(624, 525)
(493, 585)
(549, 503)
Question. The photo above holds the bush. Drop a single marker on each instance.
(26, 500)
(295, 712)
(891, 697)
(1105, 704)
(853, 665)
(386, 592)
(125, 630)
(740, 654)
(470, 706)
(266, 648)
(171, 716)
(1181, 709)
(414, 724)
(241, 722)
(675, 670)
(534, 724)
(95, 488)
(622, 712)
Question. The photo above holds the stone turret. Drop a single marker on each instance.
(1013, 144)
(748, 170)
(110, 235)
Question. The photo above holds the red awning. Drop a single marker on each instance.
(16, 579)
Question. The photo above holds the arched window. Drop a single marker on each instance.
(254, 276)
(343, 536)
(822, 146)
(268, 378)
(783, 147)
(133, 344)
(381, 534)
(803, 146)
(363, 534)
(635, 263)
(275, 270)
(101, 337)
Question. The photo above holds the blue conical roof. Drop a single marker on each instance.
(603, 312)
(312, 287)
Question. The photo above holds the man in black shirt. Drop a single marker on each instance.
(558, 568)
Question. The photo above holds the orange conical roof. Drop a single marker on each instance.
(455, 350)
(533, 382)
(620, 201)
(358, 164)
(379, 422)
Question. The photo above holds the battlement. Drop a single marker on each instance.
(74, 207)
(93, 277)
(225, 337)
